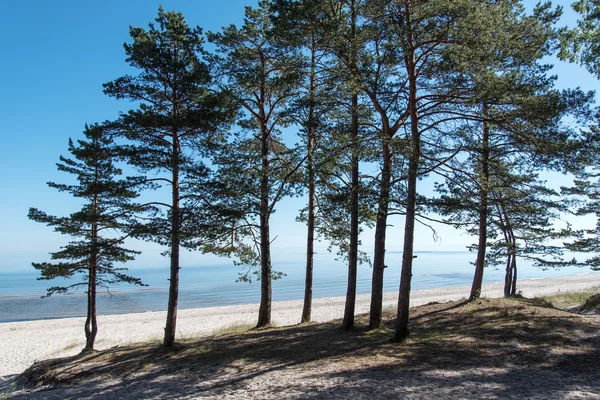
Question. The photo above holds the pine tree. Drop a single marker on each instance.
(262, 74)
(178, 120)
(98, 228)
(433, 36)
(581, 44)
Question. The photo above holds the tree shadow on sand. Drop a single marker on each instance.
(490, 348)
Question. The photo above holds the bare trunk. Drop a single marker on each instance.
(508, 277)
(513, 289)
(379, 266)
(483, 210)
(310, 237)
(170, 328)
(310, 240)
(349, 309)
(264, 312)
(91, 323)
(402, 330)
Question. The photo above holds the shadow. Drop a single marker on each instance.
(490, 348)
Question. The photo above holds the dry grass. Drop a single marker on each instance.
(588, 300)
(493, 335)
(233, 329)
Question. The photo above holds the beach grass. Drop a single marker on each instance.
(570, 300)
(232, 329)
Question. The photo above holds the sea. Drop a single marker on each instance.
(216, 284)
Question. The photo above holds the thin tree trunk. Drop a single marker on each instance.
(513, 290)
(507, 239)
(91, 323)
(375, 319)
(483, 210)
(402, 330)
(508, 277)
(513, 255)
(349, 309)
(310, 240)
(264, 312)
(170, 328)
(310, 237)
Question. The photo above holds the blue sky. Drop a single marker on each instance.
(55, 57)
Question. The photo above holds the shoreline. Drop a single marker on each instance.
(23, 343)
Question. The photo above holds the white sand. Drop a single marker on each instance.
(22, 343)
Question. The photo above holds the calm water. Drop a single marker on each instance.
(215, 285)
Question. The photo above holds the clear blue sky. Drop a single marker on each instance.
(55, 57)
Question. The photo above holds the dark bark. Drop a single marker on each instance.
(513, 289)
(375, 319)
(510, 277)
(402, 330)
(91, 323)
(264, 312)
(483, 210)
(170, 328)
(310, 237)
(350, 306)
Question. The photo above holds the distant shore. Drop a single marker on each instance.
(22, 343)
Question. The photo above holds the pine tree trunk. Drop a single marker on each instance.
(402, 331)
(483, 210)
(91, 323)
(264, 312)
(310, 237)
(350, 307)
(307, 309)
(508, 277)
(170, 328)
(349, 310)
(513, 290)
(513, 255)
(375, 319)
(310, 240)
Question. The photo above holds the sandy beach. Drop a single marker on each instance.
(23, 343)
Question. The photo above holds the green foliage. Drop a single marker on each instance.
(179, 119)
(98, 227)
(581, 44)
(505, 76)
(256, 167)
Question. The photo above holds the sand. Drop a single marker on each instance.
(23, 343)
